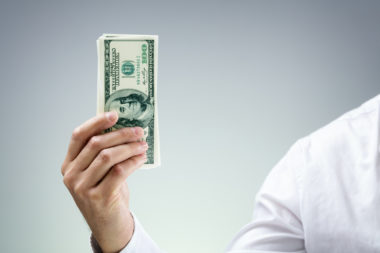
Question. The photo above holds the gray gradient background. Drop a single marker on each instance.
(239, 82)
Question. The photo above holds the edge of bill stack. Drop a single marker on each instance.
(127, 83)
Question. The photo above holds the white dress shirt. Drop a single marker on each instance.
(323, 196)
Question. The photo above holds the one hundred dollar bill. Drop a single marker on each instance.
(127, 84)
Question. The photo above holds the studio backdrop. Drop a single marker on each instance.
(238, 83)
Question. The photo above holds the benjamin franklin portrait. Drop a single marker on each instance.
(133, 107)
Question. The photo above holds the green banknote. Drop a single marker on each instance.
(127, 84)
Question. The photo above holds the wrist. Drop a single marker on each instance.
(116, 243)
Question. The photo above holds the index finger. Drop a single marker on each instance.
(89, 128)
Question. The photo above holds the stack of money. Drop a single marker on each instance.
(127, 83)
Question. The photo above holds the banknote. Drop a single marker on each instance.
(127, 84)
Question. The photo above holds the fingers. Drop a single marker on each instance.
(119, 173)
(108, 158)
(91, 127)
(104, 141)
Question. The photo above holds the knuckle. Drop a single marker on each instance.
(118, 169)
(68, 180)
(77, 133)
(105, 155)
(63, 169)
(95, 142)
(78, 189)
(94, 195)
(133, 162)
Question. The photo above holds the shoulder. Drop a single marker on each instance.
(337, 158)
(356, 131)
(337, 178)
(339, 147)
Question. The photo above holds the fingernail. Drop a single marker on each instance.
(144, 146)
(111, 116)
(138, 130)
(145, 158)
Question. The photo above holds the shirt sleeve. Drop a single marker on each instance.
(276, 226)
(140, 242)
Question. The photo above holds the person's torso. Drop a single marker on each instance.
(340, 197)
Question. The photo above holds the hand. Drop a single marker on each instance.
(95, 171)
